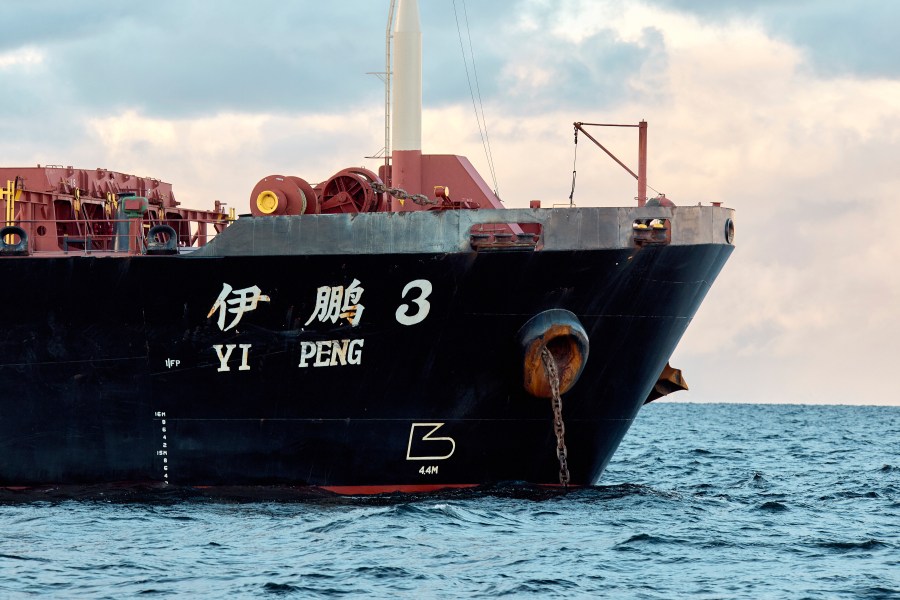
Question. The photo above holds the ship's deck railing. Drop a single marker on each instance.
(452, 231)
(385, 233)
(110, 236)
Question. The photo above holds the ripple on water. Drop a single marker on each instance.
(844, 546)
(24, 558)
(280, 588)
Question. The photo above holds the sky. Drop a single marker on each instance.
(787, 111)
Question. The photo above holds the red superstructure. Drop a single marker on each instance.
(357, 189)
(61, 209)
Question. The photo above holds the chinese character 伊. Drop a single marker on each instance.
(244, 301)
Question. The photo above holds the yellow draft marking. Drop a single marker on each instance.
(267, 202)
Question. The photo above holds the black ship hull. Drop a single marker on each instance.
(354, 372)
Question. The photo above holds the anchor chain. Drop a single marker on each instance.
(559, 427)
(420, 199)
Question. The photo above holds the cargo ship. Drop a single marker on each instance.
(373, 332)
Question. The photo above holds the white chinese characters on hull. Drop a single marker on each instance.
(332, 303)
(245, 300)
(338, 302)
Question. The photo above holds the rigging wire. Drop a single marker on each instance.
(574, 173)
(490, 154)
(479, 119)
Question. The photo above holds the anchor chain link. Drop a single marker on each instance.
(559, 427)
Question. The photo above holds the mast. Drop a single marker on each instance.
(387, 92)
(407, 102)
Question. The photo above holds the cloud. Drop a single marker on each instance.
(23, 57)
(840, 38)
(286, 57)
(804, 303)
(111, 56)
(223, 156)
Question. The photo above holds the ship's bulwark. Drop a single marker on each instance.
(345, 370)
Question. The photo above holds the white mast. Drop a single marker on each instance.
(407, 78)
(387, 91)
(406, 123)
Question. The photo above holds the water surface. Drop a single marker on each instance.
(706, 501)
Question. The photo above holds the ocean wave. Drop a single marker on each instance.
(843, 546)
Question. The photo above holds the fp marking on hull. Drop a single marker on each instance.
(428, 438)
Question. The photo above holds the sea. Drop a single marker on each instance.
(701, 501)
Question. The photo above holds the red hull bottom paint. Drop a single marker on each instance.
(287, 491)
(150, 490)
(368, 490)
